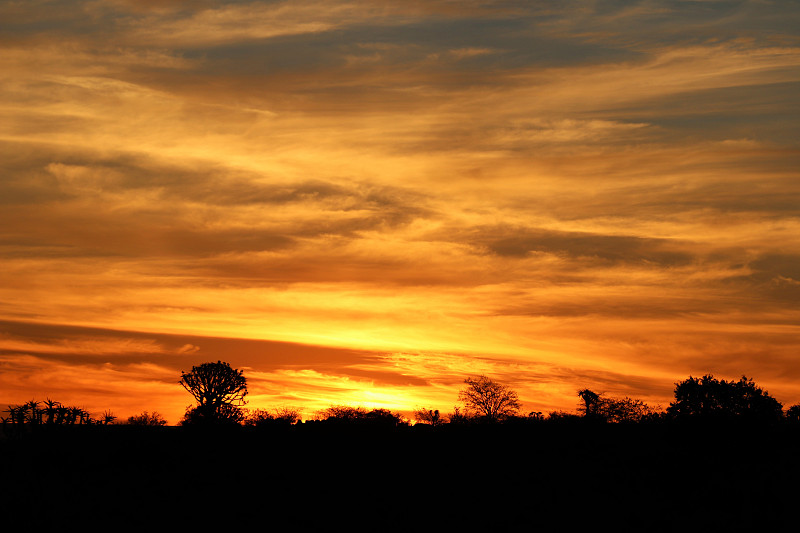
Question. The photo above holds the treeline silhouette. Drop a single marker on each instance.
(723, 456)
(220, 393)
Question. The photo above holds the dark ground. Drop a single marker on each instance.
(314, 477)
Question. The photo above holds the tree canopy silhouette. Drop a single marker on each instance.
(428, 416)
(793, 413)
(219, 390)
(278, 417)
(591, 401)
(712, 398)
(598, 407)
(489, 399)
(625, 410)
(346, 414)
(147, 419)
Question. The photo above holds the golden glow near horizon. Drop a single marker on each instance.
(366, 202)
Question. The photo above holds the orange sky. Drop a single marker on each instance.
(367, 202)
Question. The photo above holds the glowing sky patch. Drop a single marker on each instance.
(563, 196)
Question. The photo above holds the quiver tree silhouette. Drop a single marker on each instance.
(219, 391)
(714, 399)
(489, 399)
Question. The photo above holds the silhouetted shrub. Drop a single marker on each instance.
(428, 416)
(225, 414)
(459, 417)
(345, 414)
(49, 412)
(281, 416)
(562, 416)
(147, 419)
(793, 413)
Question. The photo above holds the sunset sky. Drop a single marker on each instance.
(366, 202)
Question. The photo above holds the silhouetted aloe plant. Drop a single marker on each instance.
(51, 409)
(33, 413)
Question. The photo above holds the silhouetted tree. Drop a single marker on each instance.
(562, 416)
(598, 407)
(289, 415)
(258, 418)
(719, 399)
(384, 417)
(219, 391)
(428, 416)
(793, 413)
(147, 419)
(623, 409)
(458, 417)
(346, 414)
(341, 413)
(591, 401)
(489, 399)
(281, 416)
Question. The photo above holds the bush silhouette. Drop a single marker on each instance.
(345, 414)
(710, 398)
(147, 419)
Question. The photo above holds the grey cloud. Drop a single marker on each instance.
(773, 197)
(512, 241)
(785, 265)
(765, 112)
(773, 285)
(667, 21)
(661, 308)
(734, 181)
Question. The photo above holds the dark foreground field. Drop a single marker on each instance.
(320, 478)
